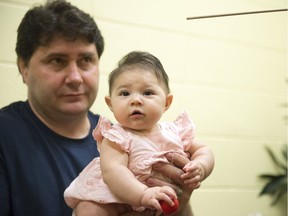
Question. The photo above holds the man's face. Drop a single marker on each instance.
(62, 78)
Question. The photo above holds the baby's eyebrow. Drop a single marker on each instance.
(124, 86)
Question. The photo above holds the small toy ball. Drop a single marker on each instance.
(167, 209)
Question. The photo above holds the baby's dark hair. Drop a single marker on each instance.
(56, 18)
(139, 59)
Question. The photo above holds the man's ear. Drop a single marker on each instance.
(169, 99)
(23, 69)
(108, 102)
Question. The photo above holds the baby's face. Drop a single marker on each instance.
(138, 99)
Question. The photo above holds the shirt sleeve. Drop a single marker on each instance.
(186, 129)
(113, 132)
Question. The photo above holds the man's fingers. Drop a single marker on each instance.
(174, 170)
(170, 172)
(152, 182)
(177, 159)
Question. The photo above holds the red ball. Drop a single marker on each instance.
(167, 209)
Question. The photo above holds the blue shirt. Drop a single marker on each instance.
(36, 164)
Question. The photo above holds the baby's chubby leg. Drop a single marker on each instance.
(88, 208)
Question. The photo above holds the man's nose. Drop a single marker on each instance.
(74, 76)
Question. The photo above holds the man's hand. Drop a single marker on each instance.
(174, 172)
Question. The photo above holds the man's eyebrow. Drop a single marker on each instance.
(58, 54)
(51, 55)
(88, 54)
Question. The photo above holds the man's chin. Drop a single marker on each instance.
(75, 109)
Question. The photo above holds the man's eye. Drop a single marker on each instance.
(57, 61)
(86, 62)
(87, 59)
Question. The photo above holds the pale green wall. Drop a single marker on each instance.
(228, 73)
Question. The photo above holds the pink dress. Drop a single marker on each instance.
(143, 151)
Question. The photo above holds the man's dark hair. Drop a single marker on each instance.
(56, 18)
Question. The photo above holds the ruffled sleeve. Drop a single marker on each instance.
(112, 132)
(186, 129)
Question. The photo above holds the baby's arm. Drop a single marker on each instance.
(122, 182)
(200, 166)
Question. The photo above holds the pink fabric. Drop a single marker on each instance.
(143, 152)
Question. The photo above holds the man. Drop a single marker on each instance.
(46, 141)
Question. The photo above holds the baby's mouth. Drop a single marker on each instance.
(136, 112)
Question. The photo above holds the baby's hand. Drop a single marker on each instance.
(194, 174)
(153, 195)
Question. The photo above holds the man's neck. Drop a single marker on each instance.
(71, 126)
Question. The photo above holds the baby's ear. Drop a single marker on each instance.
(169, 99)
(108, 102)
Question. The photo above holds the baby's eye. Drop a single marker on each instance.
(124, 93)
(148, 92)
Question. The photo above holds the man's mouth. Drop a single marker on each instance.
(73, 94)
